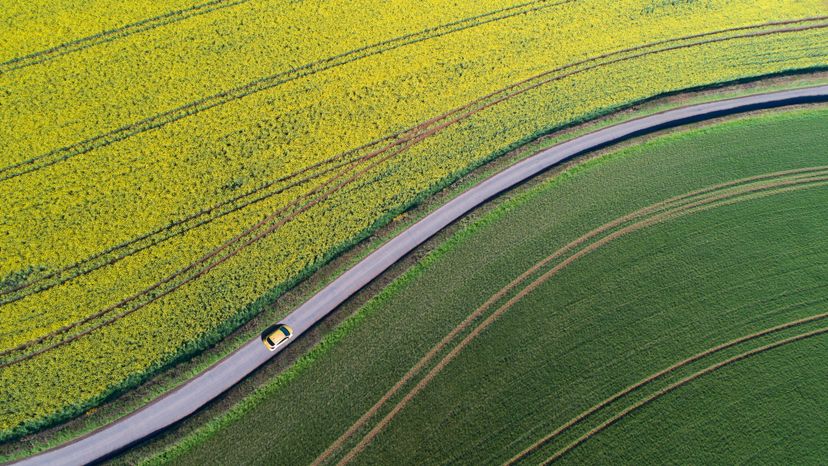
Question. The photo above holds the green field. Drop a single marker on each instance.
(724, 264)
(746, 425)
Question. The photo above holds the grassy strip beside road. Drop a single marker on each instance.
(437, 298)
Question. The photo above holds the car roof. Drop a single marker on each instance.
(277, 332)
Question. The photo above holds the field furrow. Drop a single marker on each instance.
(259, 85)
(420, 131)
(696, 201)
(109, 35)
(672, 387)
(658, 375)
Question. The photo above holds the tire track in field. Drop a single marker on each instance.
(707, 202)
(672, 387)
(262, 84)
(404, 144)
(632, 388)
(113, 34)
(208, 260)
(185, 224)
(339, 442)
(118, 252)
(147, 293)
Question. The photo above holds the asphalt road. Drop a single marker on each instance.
(180, 403)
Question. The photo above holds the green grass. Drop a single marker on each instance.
(777, 416)
(610, 320)
(621, 313)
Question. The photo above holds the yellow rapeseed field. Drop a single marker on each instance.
(167, 167)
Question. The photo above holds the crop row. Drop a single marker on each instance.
(41, 27)
(541, 272)
(346, 160)
(95, 203)
(174, 85)
(142, 25)
(258, 85)
(256, 149)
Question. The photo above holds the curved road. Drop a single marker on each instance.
(188, 398)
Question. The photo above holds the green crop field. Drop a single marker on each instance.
(664, 302)
(746, 423)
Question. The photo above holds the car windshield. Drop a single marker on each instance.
(285, 331)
